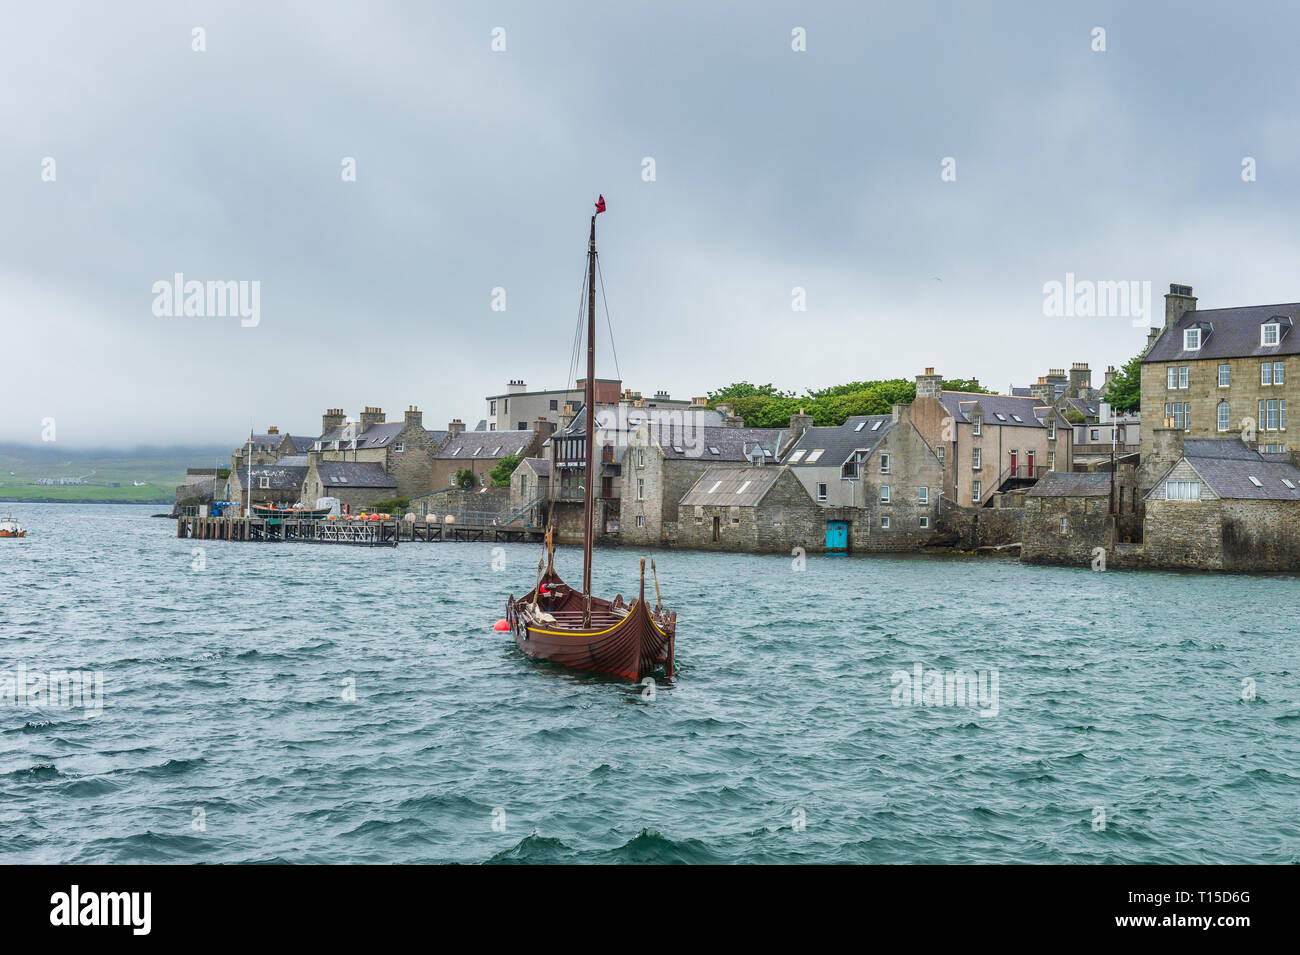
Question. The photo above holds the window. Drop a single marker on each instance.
(794, 458)
(1051, 460)
(1279, 373)
(1065, 525)
(716, 485)
(1181, 412)
(1051, 428)
(1191, 339)
(884, 464)
(976, 458)
(1255, 481)
(876, 426)
(940, 452)
(1266, 373)
(640, 489)
(1270, 334)
(861, 425)
(1289, 483)
(264, 482)
(821, 492)
(976, 423)
(925, 521)
(1182, 490)
(1000, 416)
(713, 450)
(815, 456)
(1182, 376)
(555, 404)
(1017, 418)
(923, 495)
(640, 459)
(884, 523)
(1221, 416)
(1171, 377)
(492, 426)
(640, 520)
(976, 491)
(492, 407)
(1092, 435)
(399, 447)
(884, 494)
(744, 484)
(1225, 375)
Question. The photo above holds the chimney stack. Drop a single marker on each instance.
(515, 387)
(929, 385)
(414, 417)
(799, 423)
(1080, 379)
(370, 416)
(272, 430)
(331, 419)
(455, 426)
(1178, 302)
(1042, 390)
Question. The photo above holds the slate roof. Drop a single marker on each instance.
(1229, 333)
(698, 443)
(960, 403)
(732, 486)
(1227, 466)
(1072, 484)
(540, 466)
(838, 442)
(378, 435)
(486, 445)
(437, 437)
(353, 474)
(281, 477)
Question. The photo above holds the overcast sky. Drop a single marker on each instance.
(477, 169)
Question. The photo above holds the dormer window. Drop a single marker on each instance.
(976, 422)
(1270, 334)
(1191, 339)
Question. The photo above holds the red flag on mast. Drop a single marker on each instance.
(600, 205)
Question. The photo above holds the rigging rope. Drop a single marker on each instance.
(608, 324)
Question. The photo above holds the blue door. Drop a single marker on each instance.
(837, 537)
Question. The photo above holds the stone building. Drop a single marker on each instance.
(1225, 506)
(517, 408)
(268, 448)
(404, 450)
(876, 479)
(479, 452)
(529, 488)
(759, 508)
(1066, 518)
(357, 484)
(276, 483)
(989, 443)
(1214, 372)
(659, 464)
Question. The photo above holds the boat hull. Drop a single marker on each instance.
(13, 533)
(630, 642)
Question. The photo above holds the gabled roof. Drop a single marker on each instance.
(486, 445)
(730, 444)
(539, 466)
(353, 474)
(281, 477)
(1072, 484)
(379, 435)
(1228, 466)
(837, 443)
(1235, 334)
(732, 486)
(1031, 412)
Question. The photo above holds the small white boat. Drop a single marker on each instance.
(10, 528)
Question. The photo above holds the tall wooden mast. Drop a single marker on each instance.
(589, 399)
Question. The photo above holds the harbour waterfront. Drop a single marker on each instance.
(229, 731)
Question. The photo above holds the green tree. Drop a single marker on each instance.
(465, 478)
(765, 406)
(1125, 391)
(499, 476)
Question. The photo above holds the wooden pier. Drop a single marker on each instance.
(387, 533)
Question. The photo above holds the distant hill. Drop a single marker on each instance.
(110, 474)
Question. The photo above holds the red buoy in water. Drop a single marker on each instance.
(501, 625)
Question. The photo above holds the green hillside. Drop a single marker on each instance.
(110, 475)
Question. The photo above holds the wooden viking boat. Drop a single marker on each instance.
(573, 628)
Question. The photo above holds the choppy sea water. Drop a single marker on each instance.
(1123, 730)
